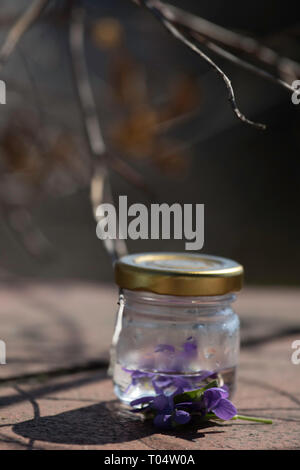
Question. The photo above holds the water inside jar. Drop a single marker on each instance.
(132, 383)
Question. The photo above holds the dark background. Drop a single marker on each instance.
(247, 179)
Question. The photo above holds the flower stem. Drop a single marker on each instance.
(252, 418)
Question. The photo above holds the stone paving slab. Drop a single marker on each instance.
(79, 411)
(54, 325)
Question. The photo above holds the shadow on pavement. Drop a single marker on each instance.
(95, 424)
(98, 424)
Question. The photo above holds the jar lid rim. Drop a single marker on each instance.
(179, 273)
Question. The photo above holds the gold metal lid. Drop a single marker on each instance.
(179, 274)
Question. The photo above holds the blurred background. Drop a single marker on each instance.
(165, 114)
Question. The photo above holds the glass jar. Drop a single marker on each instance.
(176, 327)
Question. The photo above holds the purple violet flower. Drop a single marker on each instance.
(169, 410)
(173, 363)
(169, 381)
(190, 348)
(215, 400)
(167, 413)
(163, 421)
(182, 417)
(161, 382)
(177, 408)
(178, 397)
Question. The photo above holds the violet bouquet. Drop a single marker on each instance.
(169, 411)
(172, 361)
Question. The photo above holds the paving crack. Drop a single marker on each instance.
(54, 373)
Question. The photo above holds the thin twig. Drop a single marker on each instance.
(187, 27)
(20, 27)
(237, 41)
(85, 93)
(100, 185)
(191, 44)
(240, 62)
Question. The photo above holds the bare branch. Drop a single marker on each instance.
(189, 28)
(240, 62)
(285, 66)
(20, 27)
(191, 44)
(84, 89)
(100, 186)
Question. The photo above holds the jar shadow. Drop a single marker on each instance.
(98, 424)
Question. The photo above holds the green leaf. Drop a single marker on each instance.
(213, 383)
(194, 395)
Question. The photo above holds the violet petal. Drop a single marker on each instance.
(162, 381)
(182, 417)
(190, 348)
(161, 402)
(163, 421)
(226, 390)
(224, 393)
(181, 382)
(225, 409)
(138, 374)
(211, 397)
